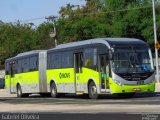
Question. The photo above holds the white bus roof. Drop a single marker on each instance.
(106, 41)
(27, 53)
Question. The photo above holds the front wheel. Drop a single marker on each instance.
(53, 90)
(93, 91)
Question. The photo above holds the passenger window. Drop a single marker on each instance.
(25, 65)
(19, 66)
(67, 60)
(7, 68)
(88, 58)
(13, 68)
(33, 64)
(79, 62)
(56, 61)
(49, 61)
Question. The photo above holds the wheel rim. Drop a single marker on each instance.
(53, 91)
(19, 92)
(93, 90)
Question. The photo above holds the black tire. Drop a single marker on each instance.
(19, 91)
(53, 90)
(93, 91)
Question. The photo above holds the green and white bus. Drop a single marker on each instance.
(93, 67)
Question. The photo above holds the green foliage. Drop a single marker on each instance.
(98, 18)
(16, 38)
(108, 18)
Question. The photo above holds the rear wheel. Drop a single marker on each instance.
(53, 90)
(93, 91)
(19, 92)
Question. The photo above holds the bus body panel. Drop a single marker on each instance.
(29, 82)
(115, 88)
(67, 85)
(63, 78)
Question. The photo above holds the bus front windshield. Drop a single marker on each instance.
(132, 60)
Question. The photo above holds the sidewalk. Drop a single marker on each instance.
(3, 93)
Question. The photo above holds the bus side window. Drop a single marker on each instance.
(19, 66)
(56, 60)
(79, 62)
(66, 60)
(107, 63)
(102, 62)
(7, 68)
(25, 65)
(32, 63)
(49, 61)
(13, 69)
(90, 58)
(76, 63)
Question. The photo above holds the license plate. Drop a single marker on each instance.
(136, 89)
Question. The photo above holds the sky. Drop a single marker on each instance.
(25, 10)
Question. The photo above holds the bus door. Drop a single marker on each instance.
(12, 78)
(78, 63)
(104, 72)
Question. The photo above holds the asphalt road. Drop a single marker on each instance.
(140, 103)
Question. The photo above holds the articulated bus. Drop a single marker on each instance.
(121, 66)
